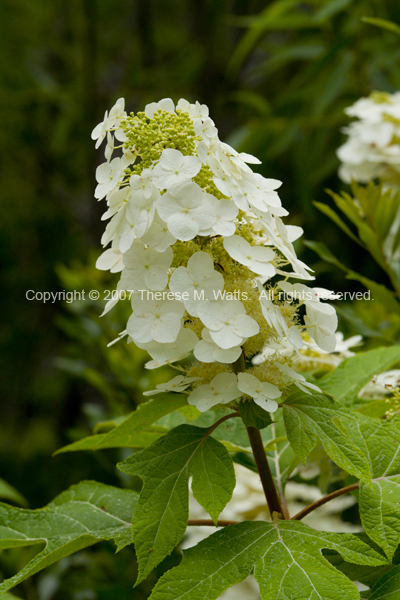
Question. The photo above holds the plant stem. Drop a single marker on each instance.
(333, 495)
(239, 366)
(210, 522)
(221, 420)
(350, 488)
(267, 481)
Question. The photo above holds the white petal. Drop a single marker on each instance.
(225, 338)
(268, 405)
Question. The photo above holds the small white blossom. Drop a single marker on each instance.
(108, 152)
(158, 320)
(145, 268)
(206, 129)
(199, 281)
(342, 346)
(207, 351)
(277, 321)
(372, 149)
(278, 235)
(110, 260)
(110, 120)
(107, 176)
(118, 227)
(158, 235)
(298, 379)
(226, 213)
(263, 393)
(116, 200)
(177, 384)
(100, 131)
(164, 353)
(196, 111)
(117, 113)
(141, 210)
(227, 321)
(263, 195)
(305, 294)
(222, 389)
(256, 258)
(164, 104)
(142, 183)
(188, 211)
(174, 169)
(321, 324)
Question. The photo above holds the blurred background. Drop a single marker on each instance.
(276, 77)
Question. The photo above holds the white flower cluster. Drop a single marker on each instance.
(197, 234)
(372, 149)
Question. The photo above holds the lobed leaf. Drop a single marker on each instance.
(380, 513)
(142, 439)
(388, 586)
(380, 505)
(134, 430)
(355, 372)
(286, 558)
(308, 417)
(165, 467)
(79, 517)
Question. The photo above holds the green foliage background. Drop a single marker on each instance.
(276, 76)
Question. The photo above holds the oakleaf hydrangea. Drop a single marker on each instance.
(200, 245)
(372, 149)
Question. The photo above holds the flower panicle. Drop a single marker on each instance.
(199, 240)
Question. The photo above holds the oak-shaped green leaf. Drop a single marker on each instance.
(388, 586)
(134, 430)
(141, 439)
(380, 505)
(146, 414)
(79, 517)
(380, 513)
(355, 372)
(160, 519)
(286, 558)
(308, 417)
(231, 433)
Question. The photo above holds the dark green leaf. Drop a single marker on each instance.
(380, 505)
(161, 516)
(8, 492)
(308, 417)
(142, 439)
(134, 430)
(385, 24)
(254, 416)
(83, 515)
(388, 586)
(355, 372)
(329, 212)
(286, 558)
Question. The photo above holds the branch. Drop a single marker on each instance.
(303, 513)
(267, 481)
(210, 522)
(221, 420)
(333, 495)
